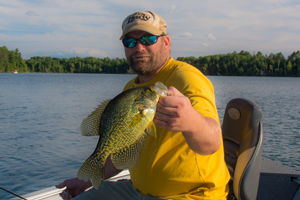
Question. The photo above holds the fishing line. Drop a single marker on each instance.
(12, 193)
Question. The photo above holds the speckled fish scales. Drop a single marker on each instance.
(122, 125)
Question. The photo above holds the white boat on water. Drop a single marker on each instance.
(14, 71)
(252, 176)
(52, 193)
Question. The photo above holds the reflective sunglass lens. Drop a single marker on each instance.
(148, 40)
(129, 42)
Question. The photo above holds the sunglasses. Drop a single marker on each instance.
(146, 40)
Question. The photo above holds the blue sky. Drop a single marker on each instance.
(68, 28)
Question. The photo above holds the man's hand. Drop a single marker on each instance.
(74, 188)
(176, 113)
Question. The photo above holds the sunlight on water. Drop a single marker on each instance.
(278, 97)
(40, 116)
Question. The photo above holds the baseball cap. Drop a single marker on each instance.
(144, 21)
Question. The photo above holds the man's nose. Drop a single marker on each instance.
(139, 46)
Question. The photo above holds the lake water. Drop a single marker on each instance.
(40, 116)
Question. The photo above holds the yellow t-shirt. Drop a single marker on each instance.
(167, 167)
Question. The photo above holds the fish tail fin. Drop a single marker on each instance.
(98, 179)
(92, 170)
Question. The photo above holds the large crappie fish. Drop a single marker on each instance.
(122, 124)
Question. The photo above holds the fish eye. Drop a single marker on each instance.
(149, 89)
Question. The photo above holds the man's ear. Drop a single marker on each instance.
(167, 42)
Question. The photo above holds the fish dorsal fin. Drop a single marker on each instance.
(151, 129)
(90, 125)
(128, 157)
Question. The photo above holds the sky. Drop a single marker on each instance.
(70, 28)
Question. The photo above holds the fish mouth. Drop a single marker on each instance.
(161, 89)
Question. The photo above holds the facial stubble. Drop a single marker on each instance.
(149, 66)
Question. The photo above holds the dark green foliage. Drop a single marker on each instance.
(77, 65)
(245, 64)
(230, 64)
(11, 60)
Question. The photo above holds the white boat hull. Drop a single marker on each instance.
(275, 183)
(52, 193)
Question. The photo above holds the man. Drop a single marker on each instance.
(186, 160)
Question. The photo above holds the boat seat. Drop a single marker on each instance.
(242, 135)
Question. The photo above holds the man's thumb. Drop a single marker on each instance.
(61, 185)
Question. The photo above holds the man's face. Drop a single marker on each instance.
(146, 60)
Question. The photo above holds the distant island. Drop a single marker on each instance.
(230, 64)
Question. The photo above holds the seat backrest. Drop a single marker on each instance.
(243, 134)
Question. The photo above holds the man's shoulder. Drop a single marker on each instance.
(174, 62)
(181, 66)
(182, 69)
(183, 75)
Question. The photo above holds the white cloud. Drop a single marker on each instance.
(79, 50)
(88, 52)
(211, 37)
(97, 53)
(186, 34)
(173, 7)
(94, 26)
(31, 13)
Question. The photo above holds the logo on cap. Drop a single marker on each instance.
(136, 16)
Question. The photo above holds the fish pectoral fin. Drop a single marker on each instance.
(151, 129)
(128, 157)
(91, 170)
(90, 125)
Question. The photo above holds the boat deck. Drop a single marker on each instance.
(277, 182)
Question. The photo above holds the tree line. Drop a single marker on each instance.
(78, 65)
(247, 64)
(231, 64)
(10, 60)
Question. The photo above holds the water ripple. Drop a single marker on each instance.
(40, 116)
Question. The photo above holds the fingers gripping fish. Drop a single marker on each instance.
(122, 125)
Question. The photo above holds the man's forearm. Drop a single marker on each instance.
(110, 169)
(205, 136)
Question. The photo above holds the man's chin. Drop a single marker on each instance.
(141, 59)
(140, 70)
(140, 65)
